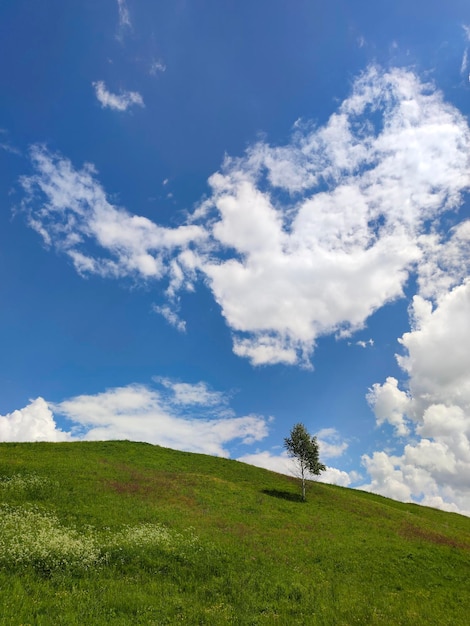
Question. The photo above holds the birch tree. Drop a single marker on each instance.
(303, 448)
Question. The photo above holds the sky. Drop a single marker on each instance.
(218, 219)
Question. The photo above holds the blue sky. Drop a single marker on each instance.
(221, 218)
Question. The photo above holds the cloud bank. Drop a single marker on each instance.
(433, 468)
(169, 416)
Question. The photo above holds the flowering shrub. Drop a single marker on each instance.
(148, 544)
(24, 484)
(146, 535)
(32, 537)
(29, 537)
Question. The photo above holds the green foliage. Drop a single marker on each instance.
(303, 448)
(123, 533)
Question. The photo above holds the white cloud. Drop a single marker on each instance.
(280, 463)
(138, 413)
(365, 344)
(193, 394)
(434, 466)
(445, 262)
(334, 476)
(437, 358)
(362, 193)
(117, 102)
(330, 443)
(69, 209)
(283, 464)
(295, 241)
(34, 422)
(390, 404)
(171, 317)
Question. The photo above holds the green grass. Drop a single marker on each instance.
(129, 533)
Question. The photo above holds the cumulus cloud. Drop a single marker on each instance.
(295, 241)
(34, 422)
(335, 476)
(320, 233)
(433, 468)
(139, 413)
(118, 102)
(330, 443)
(444, 264)
(390, 404)
(283, 464)
(280, 463)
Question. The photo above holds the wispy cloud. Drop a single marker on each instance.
(171, 316)
(124, 24)
(70, 210)
(139, 413)
(6, 145)
(156, 67)
(117, 102)
(198, 394)
(464, 64)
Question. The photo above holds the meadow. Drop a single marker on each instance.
(130, 533)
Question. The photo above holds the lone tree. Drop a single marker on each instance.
(303, 448)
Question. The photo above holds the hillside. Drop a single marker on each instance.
(129, 533)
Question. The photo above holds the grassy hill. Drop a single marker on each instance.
(129, 533)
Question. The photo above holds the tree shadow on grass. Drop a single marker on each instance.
(283, 495)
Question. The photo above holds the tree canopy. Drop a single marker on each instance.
(304, 449)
